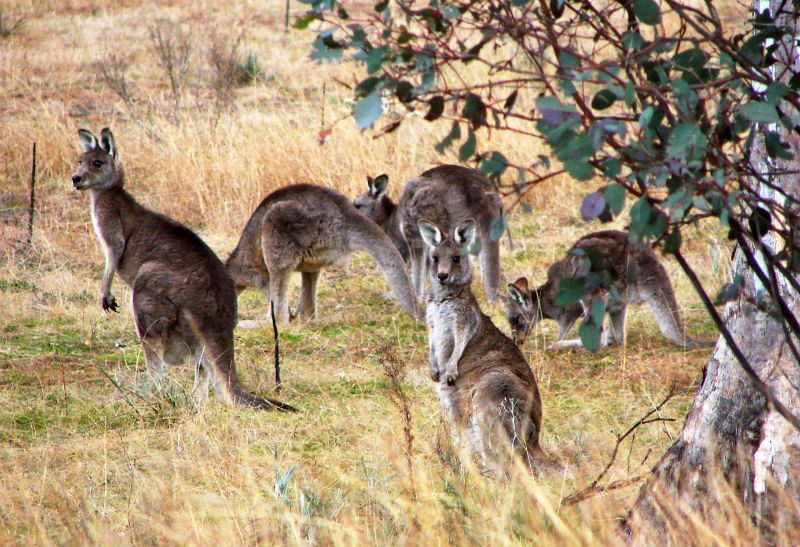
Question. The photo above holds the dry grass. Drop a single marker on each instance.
(90, 455)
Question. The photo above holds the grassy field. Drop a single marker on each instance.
(90, 454)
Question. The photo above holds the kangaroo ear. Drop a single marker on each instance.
(107, 141)
(522, 284)
(465, 232)
(430, 233)
(88, 141)
(379, 185)
(519, 296)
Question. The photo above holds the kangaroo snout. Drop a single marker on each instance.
(76, 180)
(442, 276)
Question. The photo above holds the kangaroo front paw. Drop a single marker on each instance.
(434, 375)
(109, 303)
(451, 378)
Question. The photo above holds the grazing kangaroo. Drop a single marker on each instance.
(446, 195)
(305, 228)
(637, 276)
(184, 302)
(485, 385)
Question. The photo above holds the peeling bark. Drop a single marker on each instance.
(733, 442)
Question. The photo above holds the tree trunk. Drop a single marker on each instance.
(736, 464)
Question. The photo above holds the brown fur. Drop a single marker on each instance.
(637, 274)
(183, 301)
(305, 228)
(447, 195)
(486, 389)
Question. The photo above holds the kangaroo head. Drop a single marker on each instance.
(522, 309)
(97, 166)
(450, 264)
(369, 203)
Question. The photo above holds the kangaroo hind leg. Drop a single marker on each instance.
(307, 308)
(156, 321)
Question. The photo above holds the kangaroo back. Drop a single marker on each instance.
(447, 195)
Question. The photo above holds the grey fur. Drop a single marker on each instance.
(305, 228)
(184, 302)
(446, 195)
(639, 277)
(486, 388)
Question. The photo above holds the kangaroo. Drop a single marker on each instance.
(484, 383)
(445, 195)
(183, 300)
(636, 275)
(304, 228)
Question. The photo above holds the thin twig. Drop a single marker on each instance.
(277, 348)
(32, 208)
(595, 487)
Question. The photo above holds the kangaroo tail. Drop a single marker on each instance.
(368, 236)
(242, 398)
(218, 360)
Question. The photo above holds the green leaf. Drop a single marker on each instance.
(447, 142)
(553, 111)
(493, 164)
(673, 242)
(325, 48)
(475, 110)
(640, 216)
(468, 148)
(570, 291)
(685, 136)
(777, 148)
(367, 86)
(615, 197)
(611, 167)
(630, 95)
(305, 21)
(579, 169)
(776, 91)
(367, 110)
(435, 108)
(647, 11)
(496, 227)
(590, 336)
(376, 58)
(598, 311)
(510, 100)
(631, 39)
(404, 91)
(603, 99)
(692, 59)
(450, 12)
(759, 112)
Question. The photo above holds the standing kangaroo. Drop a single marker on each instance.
(305, 228)
(184, 303)
(446, 195)
(485, 385)
(636, 275)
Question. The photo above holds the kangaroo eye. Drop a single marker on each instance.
(97, 163)
(435, 259)
(456, 259)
